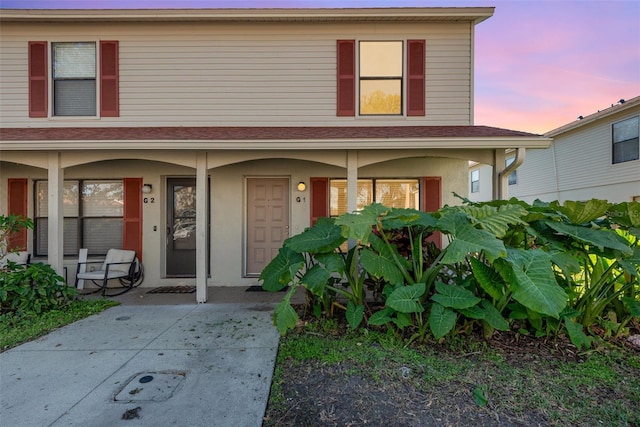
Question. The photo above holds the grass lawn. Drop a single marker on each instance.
(364, 377)
(15, 330)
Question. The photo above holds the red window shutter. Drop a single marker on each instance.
(17, 204)
(132, 227)
(432, 201)
(416, 58)
(319, 190)
(38, 79)
(346, 89)
(109, 79)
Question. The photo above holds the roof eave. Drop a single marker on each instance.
(283, 144)
(469, 14)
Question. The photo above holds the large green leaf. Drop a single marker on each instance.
(454, 296)
(576, 334)
(441, 320)
(379, 266)
(381, 317)
(405, 299)
(497, 220)
(316, 279)
(281, 270)
(332, 261)
(533, 282)
(400, 218)
(284, 316)
(402, 320)
(566, 262)
(601, 238)
(359, 225)
(493, 317)
(467, 239)
(354, 314)
(324, 236)
(626, 214)
(632, 305)
(584, 212)
(488, 278)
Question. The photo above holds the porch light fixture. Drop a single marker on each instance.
(146, 189)
(302, 186)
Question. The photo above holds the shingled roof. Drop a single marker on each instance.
(252, 133)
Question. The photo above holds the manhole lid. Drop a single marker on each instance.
(150, 386)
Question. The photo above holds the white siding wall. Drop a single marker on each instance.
(584, 167)
(213, 74)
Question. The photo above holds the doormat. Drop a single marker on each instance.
(257, 288)
(173, 290)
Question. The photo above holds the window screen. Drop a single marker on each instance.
(74, 79)
(625, 140)
(381, 77)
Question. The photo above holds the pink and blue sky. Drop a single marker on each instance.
(539, 64)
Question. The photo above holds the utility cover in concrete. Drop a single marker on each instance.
(150, 387)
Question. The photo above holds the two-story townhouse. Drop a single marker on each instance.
(203, 138)
(596, 156)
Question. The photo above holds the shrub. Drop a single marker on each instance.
(32, 288)
(541, 268)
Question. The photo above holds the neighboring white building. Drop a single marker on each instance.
(203, 138)
(596, 156)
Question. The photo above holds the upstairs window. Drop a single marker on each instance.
(74, 79)
(625, 140)
(475, 181)
(381, 78)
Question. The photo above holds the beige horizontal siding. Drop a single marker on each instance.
(200, 74)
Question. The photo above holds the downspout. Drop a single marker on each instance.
(503, 176)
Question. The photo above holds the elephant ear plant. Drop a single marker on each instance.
(540, 268)
(31, 288)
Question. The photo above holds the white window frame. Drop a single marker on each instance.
(403, 79)
(476, 181)
(51, 88)
(626, 141)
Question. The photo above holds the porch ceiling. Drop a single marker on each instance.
(268, 138)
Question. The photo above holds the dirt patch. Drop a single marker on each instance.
(352, 393)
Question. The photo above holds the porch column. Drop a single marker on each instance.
(352, 186)
(498, 167)
(55, 221)
(352, 181)
(202, 197)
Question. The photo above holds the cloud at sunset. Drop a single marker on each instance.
(538, 64)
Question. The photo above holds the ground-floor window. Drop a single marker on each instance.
(93, 216)
(396, 193)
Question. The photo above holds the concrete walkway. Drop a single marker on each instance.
(155, 365)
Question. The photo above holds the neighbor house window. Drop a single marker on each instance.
(513, 176)
(625, 140)
(381, 77)
(475, 181)
(74, 79)
(93, 216)
(395, 193)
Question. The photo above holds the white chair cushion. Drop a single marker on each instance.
(118, 256)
